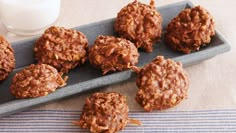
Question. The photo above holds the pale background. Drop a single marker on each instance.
(213, 82)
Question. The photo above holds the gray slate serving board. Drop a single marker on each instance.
(85, 77)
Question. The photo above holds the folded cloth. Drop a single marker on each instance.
(49, 121)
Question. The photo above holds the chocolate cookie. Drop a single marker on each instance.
(104, 113)
(113, 54)
(62, 48)
(190, 30)
(35, 81)
(7, 59)
(139, 23)
(162, 84)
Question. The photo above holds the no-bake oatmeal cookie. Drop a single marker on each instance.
(7, 58)
(36, 80)
(104, 113)
(190, 30)
(62, 48)
(140, 23)
(162, 84)
(113, 54)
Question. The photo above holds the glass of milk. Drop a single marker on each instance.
(28, 17)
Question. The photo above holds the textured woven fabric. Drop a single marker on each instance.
(42, 121)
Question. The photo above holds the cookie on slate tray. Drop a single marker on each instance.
(7, 58)
(190, 30)
(140, 23)
(113, 54)
(162, 84)
(105, 113)
(62, 48)
(36, 80)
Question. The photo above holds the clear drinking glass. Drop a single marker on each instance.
(29, 17)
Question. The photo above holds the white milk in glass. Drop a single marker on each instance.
(28, 17)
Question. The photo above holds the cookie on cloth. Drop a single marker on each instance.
(105, 113)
